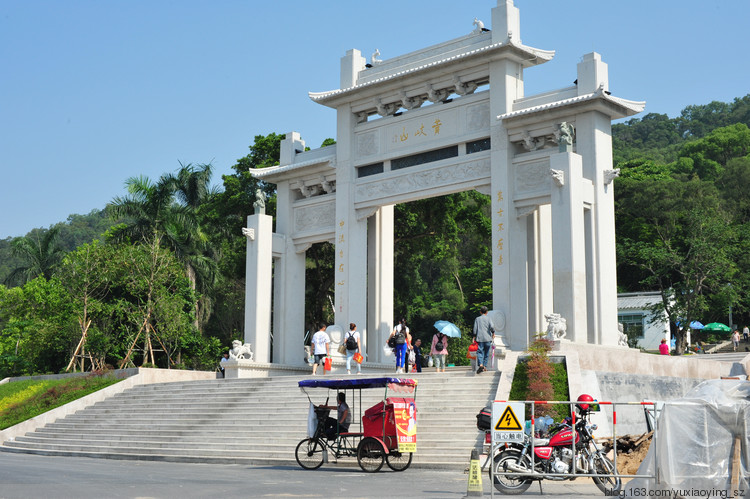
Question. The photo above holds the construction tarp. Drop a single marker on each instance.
(692, 452)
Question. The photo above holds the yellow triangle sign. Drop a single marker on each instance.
(508, 421)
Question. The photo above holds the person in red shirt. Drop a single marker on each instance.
(663, 347)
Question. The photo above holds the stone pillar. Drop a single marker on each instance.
(289, 286)
(259, 235)
(350, 272)
(569, 252)
(594, 144)
(508, 233)
(379, 282)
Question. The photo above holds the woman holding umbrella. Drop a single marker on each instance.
(439, 350)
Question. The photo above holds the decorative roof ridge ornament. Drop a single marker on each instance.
(479, 26)
(374, 58)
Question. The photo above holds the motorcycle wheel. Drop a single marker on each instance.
(610, 483)
(510, 485)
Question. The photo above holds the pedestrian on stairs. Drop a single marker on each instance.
(484, 335)
(402, 337)
(321, 343)
(439, 350)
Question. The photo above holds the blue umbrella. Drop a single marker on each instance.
(696, 325)
(448, 328)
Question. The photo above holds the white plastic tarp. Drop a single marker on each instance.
(691, 454)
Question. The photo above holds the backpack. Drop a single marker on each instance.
(439, 346)
(400, 337)
(351, 342)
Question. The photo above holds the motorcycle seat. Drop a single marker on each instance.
(541, 442)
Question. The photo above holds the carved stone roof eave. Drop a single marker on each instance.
(614, 107)
(282, 172)
(527, 56)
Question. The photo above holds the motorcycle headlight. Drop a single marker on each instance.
(593, 427)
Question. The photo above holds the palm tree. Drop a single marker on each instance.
(41, 255)
(165, 212)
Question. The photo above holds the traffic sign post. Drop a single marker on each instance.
(508, 421)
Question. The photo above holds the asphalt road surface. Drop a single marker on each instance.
(27, 476)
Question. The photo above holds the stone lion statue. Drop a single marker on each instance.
(557, 326)
(240, 351)
(622, 339)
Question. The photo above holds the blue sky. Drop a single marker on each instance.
(94, 92)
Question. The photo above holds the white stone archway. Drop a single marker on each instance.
(552, 202)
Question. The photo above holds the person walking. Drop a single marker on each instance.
(352, 346)
(321, 347)
(745, 333)
(439, 351)
(484, 335)
(401, 334)
(735, 339)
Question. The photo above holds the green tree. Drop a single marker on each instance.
(677, 239)
(40, 256)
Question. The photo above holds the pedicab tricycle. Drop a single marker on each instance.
(388, 431)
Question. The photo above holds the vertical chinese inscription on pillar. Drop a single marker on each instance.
(340, 255)
(500, 229)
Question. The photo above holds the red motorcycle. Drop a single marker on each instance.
(559, 457)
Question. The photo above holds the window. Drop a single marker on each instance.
(632, 324)
(367, 170)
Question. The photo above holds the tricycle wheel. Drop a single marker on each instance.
(370, 454)
(309, 454)
(398, 461)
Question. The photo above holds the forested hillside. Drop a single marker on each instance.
(157, 276)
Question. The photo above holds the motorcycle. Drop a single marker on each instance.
(568, 453)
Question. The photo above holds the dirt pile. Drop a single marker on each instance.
(631, 449)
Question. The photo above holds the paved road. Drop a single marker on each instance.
(24, 476)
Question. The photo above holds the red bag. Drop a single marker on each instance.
(327, 364)
(357, 358)
(472, 353)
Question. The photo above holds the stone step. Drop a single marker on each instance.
(180, 421)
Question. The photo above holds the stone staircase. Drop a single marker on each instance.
(254, 421)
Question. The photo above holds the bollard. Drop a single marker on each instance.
(474, 488)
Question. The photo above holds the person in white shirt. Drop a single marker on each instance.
(321, 344)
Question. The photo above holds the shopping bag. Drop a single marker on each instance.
(472, 353)
(358, 358)
(387, 351)
(342, 349)
(327, 364)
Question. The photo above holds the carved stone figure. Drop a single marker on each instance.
(558, 176)
(464, 88)
(386, 109)
(622, 339)
(374, 59)
(436, 96)
(565, 140)
(260, 202)
(557, 326)
(610, 175)
(240, 351)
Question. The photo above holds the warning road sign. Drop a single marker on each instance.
(508, 422)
